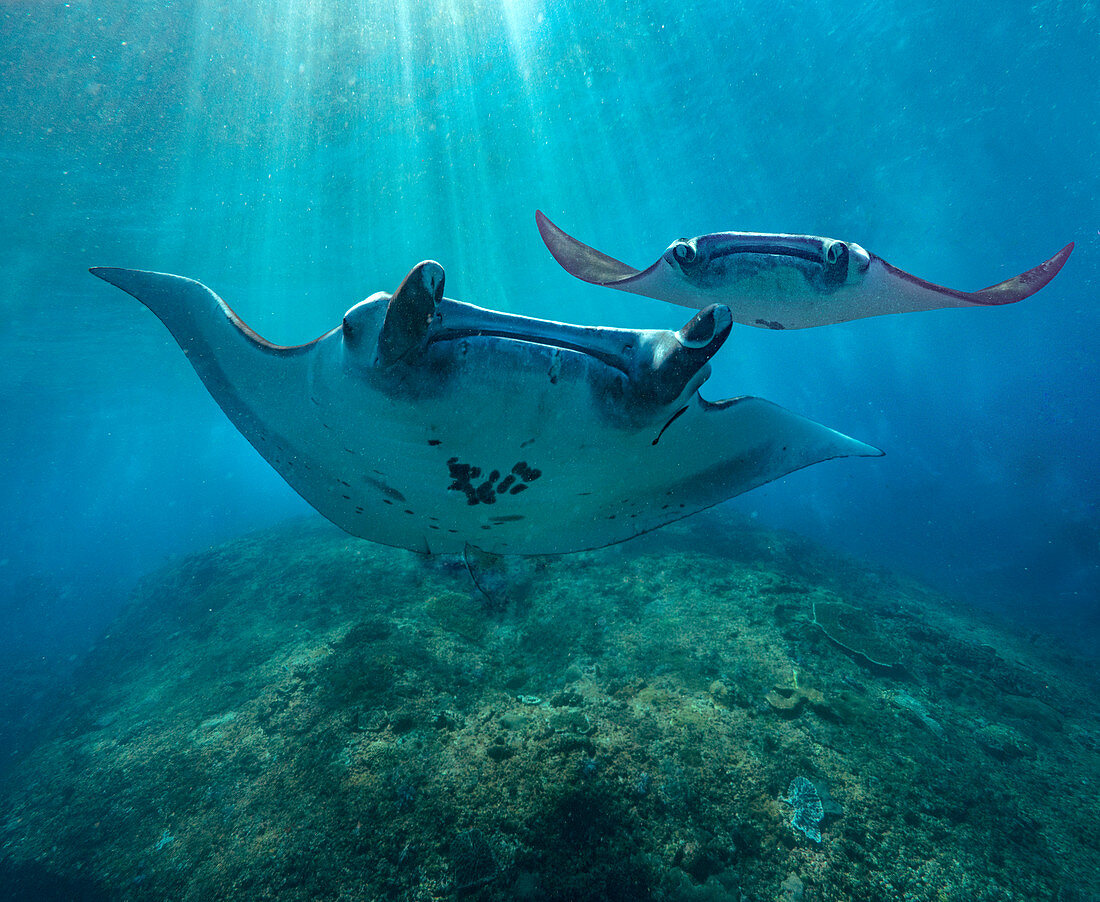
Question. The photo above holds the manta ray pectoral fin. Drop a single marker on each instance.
(410, 312)
(580, 260)
(254, 381)
(202, 323)
(1007, 292)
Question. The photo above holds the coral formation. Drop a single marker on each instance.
(802, 796)
(302, 716)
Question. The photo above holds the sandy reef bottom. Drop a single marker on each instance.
(298, 715)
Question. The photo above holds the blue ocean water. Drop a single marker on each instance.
(297, 156)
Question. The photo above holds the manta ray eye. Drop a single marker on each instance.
(683, 252)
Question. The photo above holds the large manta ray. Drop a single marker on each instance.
(782, 281)
(430, 424)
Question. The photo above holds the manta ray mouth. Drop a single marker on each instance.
(546, 341)
(827, 258)
(770, 250)
(820, 251)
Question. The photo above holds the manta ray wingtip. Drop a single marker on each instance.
(129, 280)
(578, 259)
(1025, 284)
(1054, 265)
(104, 272)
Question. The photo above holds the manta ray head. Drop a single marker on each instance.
(414, 342)
(825, 263)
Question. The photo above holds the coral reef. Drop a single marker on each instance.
(302, 716)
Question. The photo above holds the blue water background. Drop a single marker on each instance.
(297, 156)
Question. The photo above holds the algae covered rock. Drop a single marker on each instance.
(790, 700)
(1003, 743)
(473, 862)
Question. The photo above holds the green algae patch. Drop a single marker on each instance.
(458, 613)
(855, 630)
(570, 721)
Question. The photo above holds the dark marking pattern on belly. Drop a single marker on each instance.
(463, 476)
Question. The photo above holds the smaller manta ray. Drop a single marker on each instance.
(430, 424)
(782, 281)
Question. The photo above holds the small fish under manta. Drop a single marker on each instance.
(431, 424)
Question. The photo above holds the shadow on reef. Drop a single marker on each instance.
(24, 881)
(716, 712)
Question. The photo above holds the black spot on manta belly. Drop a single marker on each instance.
(385, 488)
(463, 476)
(526, 473)
(461, 479)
